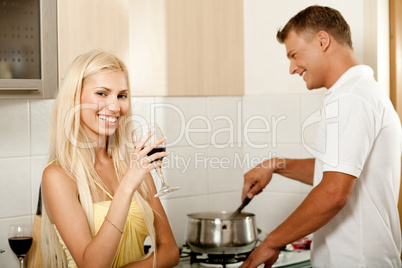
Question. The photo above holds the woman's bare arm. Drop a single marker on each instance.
(167, 251)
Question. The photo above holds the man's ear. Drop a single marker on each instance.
(325, 40)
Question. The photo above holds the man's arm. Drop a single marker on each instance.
(298, 169)
(320, 206)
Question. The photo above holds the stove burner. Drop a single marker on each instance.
(218, 260)
(221, 258)
(228, 260)
(299, 258)
(224, 260)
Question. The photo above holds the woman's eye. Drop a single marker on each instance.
(101, 94)
(122, 96)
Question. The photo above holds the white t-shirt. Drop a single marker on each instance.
(360, 134)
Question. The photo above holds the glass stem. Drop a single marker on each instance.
(160, 175)
(21, 259)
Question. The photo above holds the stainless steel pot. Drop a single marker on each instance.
(218, 233)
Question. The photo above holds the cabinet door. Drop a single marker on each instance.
(187, 47)
(171, 47)
(91, 24)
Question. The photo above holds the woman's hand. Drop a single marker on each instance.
(141, 163)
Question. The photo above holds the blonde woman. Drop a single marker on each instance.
(97, 196)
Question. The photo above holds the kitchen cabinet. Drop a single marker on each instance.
(171, 47)
(395, 14)
(28, 48)
(91, 24)
(186, 47)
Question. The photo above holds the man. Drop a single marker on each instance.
(352, 209)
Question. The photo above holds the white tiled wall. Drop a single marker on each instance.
(23, 155)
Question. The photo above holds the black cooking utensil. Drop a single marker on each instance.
(243, 204)
(39, 206)
(34, 255)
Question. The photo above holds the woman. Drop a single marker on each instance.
(98, 198)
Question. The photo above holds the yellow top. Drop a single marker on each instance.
(131, 247)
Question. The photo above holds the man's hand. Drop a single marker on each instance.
(262, 254)
(256, 179)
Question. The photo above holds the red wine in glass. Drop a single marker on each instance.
(145, 130)
(20, 241)
(157, 150)
(20, 245)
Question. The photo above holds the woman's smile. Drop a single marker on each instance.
(108, 120)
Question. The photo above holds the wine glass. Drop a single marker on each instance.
(20, 241)
(143, 130)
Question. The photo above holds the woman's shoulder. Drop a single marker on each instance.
(53, 169)
(54, 176)
(59, 191)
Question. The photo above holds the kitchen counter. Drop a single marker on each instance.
(288, 259)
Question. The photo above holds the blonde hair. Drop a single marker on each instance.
(71, 148)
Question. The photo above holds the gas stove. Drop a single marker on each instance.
(288, 259)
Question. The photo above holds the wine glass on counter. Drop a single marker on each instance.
(20, 241)
(140, 132)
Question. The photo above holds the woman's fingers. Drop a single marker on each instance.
(141, 143)
(148, 148)
(157, 157)
(145, 159)
(156, 143)
(148, 162)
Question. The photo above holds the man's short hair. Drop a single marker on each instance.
(314, 19)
